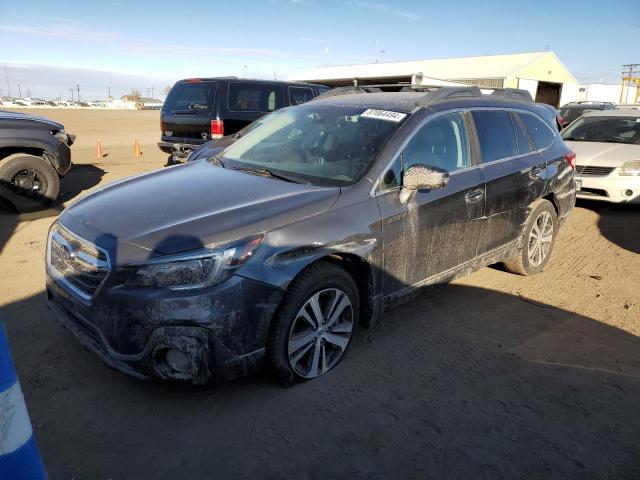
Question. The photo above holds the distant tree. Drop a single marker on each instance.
(135, 94)
(167, 89)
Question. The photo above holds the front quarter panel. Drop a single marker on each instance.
(351, 226)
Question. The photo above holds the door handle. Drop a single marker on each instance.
(535, 172)
(474, 195)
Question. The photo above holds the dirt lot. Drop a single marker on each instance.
(493, 376)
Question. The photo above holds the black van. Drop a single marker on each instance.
(201, 109)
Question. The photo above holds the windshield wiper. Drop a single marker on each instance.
(264, 172)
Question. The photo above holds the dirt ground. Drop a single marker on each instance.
(492, 376)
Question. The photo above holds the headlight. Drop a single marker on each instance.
(630, 168)
(190, 271)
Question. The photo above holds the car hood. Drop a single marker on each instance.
(190, 206)
(5, 115)
(600, 154)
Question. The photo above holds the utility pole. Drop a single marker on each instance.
(152, 92)
(109, 90)
(631, 76)
(71, 93)
(78, 90)
(19, 91)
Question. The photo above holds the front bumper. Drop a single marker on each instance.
(613, 188)
(223, 330)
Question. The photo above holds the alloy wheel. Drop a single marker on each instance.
(320, 333)
(540, 239)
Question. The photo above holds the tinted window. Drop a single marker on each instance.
(393, 177)
(539, 132)
(495, 134)
(252, 97)
(298, 95)
(441, 143)
(521, 137)
(605, 129)
(194, 98)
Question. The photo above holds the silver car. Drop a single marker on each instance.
(607, 147)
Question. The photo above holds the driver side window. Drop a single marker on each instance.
(441, 142)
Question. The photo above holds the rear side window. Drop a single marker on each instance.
(495, 135)
(524, 145)
(298, 95)
(252, 97)
(541, 135)
(193, 98)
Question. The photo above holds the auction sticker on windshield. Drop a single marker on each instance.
(383, 115)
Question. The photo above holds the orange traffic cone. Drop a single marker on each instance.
(136, 149)
(99, 152)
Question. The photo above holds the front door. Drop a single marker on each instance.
(437, 230)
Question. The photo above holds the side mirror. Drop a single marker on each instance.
(422, 177)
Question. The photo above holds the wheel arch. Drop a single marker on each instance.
(363, 276)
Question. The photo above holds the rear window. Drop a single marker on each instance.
(541, 135)
(298, 95)
(193, 98)
(495, 135)
(254, 97)
(573, 113)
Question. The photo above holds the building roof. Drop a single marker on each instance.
(490, 66)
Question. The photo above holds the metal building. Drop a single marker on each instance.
(541, 73)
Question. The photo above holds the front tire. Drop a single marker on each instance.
(33, 180)
(538, 239)
(314, 324)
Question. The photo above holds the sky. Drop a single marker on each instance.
(49, 47)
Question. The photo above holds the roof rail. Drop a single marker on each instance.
(446, 93)
(513, 94)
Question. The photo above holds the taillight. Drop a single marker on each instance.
(571, 159)
(217, 128)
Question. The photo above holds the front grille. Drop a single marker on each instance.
(595, 171)
(76, 263)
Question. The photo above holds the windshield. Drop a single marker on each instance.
(321, 144)
(605, 129)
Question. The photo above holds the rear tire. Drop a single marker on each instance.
(538, 239)
(33, 180)
(302, 348)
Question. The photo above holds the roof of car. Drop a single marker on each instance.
(408, 102)
(613, 113)
(396, 101)
(248, 80)
(587, 105)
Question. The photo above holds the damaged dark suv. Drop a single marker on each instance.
(273, 251)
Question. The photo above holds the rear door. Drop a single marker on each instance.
(439, 229)
(514, 174)
(186, 113)
(248, 101)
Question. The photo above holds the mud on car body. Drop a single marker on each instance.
(275, 250)
(34, 153)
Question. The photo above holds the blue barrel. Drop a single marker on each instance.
(19, 455)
